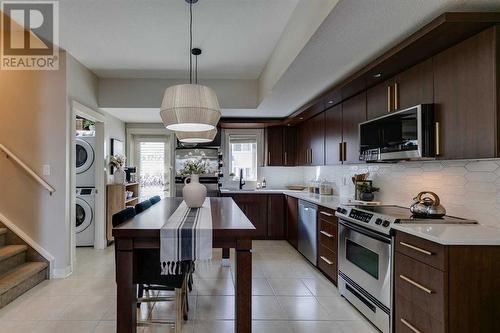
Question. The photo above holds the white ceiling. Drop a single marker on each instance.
(149, 38)
(238, 37)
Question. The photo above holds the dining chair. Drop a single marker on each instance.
(154, 200)
(142, 206)
(148, 273)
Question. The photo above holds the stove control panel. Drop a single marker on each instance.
(360, 215)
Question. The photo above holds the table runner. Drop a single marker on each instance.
(187, 235)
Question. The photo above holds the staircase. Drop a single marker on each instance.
(21, 268)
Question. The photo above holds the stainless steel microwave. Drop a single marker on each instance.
(403, 135)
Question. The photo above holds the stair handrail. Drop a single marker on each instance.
(27, 169)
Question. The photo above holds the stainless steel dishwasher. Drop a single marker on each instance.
(307, 230)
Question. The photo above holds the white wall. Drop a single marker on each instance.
(467, 188)
(33, 124)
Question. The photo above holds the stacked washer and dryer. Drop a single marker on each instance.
(85, 190)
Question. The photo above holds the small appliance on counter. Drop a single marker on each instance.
(130, 174)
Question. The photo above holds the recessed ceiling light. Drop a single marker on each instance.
(301, 118)
(330, 102)
(377, 75)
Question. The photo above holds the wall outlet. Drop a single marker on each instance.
(46, 170)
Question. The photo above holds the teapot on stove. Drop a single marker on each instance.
(427, 205)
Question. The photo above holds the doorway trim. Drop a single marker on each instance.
(78, 109)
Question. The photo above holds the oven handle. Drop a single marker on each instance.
(365, 232)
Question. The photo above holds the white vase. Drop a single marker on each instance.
(119, 176)
(194, 193)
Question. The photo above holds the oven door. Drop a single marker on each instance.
(365, 257)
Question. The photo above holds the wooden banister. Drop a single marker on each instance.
(27, 169)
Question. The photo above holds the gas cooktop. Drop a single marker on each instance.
(381, 218)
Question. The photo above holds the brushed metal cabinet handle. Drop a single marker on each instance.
(410, 326)
(389, 98)
(268, 158)
(438, 152)
(416, 248)
(286, 159)
(326, 234)
(325, 213)
(416, 284)
(396, 96)
(326, 260)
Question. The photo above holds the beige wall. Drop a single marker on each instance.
(33, 126)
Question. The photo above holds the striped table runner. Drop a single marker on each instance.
(187, 235)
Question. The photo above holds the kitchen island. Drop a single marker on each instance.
(231, 229)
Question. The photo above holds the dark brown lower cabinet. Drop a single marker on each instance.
(328, 243)
(448, 289)
(276, 216)
(266, 212)
(292, 223)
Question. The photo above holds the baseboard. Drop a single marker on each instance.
(61, 273)
(34, 245)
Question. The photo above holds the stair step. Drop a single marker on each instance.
(3, 233)
(20, 279)
(12, 256)
(8, 251)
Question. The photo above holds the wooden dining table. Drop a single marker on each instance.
(231, 229)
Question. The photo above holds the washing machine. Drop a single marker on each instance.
(85, 216)
(85, 161)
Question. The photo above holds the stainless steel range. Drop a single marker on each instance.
(366, 257)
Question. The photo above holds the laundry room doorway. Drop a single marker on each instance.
(87, 179)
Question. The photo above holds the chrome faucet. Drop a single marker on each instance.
(242, 182)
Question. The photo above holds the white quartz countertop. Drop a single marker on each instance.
(446, 234)
(329, 201)
(453, 234)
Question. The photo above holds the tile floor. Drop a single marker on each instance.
(289, 296)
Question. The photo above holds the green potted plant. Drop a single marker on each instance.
(366, 191)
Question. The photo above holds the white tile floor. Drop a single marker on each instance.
(289, 296)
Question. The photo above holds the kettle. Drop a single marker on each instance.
(427, 205)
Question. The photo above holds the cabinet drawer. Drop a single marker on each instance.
(327, 235)
(421, 285)
(327, 214)
(422, 250)
(327, 262)
(409, 318)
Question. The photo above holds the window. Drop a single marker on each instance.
(243, 156)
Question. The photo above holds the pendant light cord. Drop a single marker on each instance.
(190, 42)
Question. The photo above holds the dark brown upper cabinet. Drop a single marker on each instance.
(380, 99)
(280, 146)
(289, 146)
(333, 135)
(414, 86)
(274, 146)
(466, 97)
(317, 134)
(353, 113)
(311, 141)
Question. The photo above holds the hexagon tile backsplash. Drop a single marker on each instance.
(469, 189)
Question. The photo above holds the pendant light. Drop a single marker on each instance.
(196, 137)
(190, 107)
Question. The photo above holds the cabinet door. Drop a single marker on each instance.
(414, 86)
(292, 232)
(465, 97)
(353, 113)
(303, 144)
(290, 146)
(333, 135)
(274, 146)
(255, 208)
(276, 216)
(317, 132)
(379, 99)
